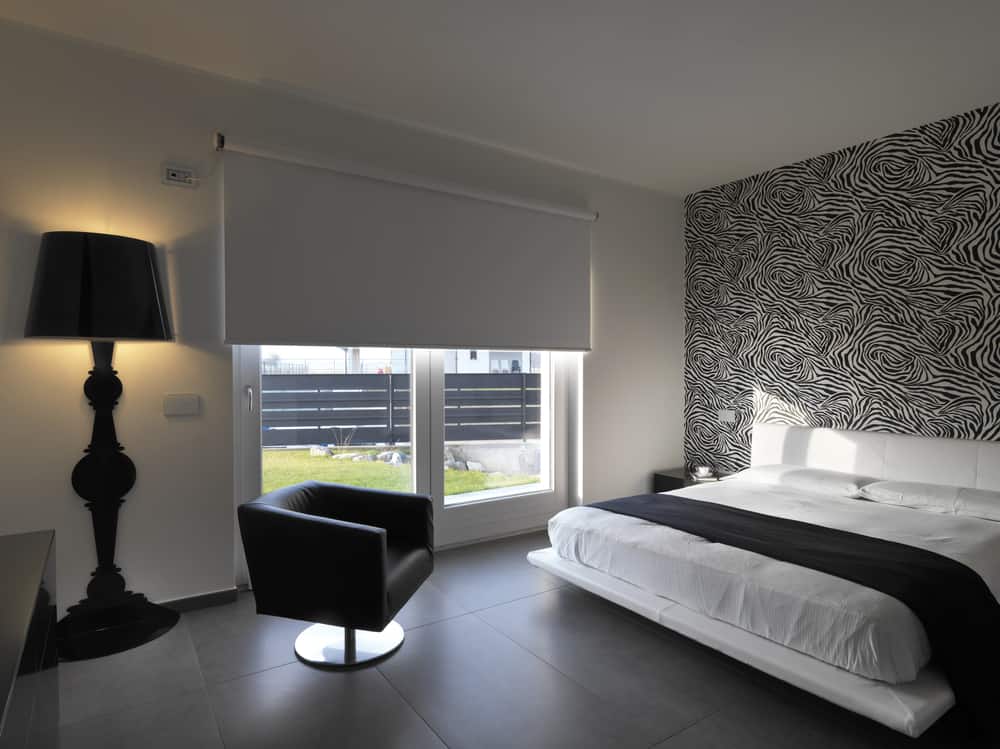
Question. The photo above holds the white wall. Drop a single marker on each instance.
(83, 133)
(633, 379)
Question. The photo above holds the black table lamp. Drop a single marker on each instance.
(102, 288)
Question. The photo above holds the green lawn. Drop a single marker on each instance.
(284, 467)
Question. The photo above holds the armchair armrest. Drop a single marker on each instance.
(314, 568)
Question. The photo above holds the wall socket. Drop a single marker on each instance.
(727, 416)
(179, 176)
(181, 404)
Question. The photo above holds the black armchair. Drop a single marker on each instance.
(343, 557)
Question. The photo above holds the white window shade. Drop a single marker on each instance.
(318, 257)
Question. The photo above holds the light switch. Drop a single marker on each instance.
(727, 416)
(181, 404)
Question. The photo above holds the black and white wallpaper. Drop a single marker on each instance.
(855, 290)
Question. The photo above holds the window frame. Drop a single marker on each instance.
(515, 511)
(481, 518)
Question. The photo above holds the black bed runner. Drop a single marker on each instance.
(958, 610)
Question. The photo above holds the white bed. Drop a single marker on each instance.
(852, 645)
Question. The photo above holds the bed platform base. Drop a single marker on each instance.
(908, 708)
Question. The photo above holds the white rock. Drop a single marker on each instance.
(474, 465)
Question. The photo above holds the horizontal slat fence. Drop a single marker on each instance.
(492, 407)
(369, 409)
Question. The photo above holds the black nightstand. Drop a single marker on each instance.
(667, 479)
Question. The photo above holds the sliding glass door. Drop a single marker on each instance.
(497, 424)
(483, 431)
(501, 424)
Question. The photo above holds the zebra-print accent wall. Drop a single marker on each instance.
(855, 290)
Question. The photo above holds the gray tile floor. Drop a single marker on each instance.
(497, 654)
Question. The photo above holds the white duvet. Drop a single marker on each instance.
(840, 622)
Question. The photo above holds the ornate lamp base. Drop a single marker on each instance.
(110, 619)
(92, 629)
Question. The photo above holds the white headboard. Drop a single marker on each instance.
(886, 456)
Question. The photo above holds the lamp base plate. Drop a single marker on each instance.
(331, 647)
(93, 629)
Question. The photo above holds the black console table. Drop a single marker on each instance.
(29, 687)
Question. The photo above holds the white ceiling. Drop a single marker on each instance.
(675, 95)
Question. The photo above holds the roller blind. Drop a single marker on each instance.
(318, 257)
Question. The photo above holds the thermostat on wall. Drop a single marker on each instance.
(179, 176)
(181, 404)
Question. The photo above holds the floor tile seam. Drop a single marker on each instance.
(475, 610)
(237, 677)
(577, 682)
(436, 621)
(689, 726)
(204, 683)
(416, 712)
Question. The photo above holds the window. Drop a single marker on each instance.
(496, 426)
(490, 447)
(336, 414)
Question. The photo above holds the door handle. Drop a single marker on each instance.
(249, 399)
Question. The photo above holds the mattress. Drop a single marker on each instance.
(836, 621)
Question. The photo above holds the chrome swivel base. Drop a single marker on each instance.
(343, 647)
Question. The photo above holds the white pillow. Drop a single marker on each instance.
(815, 480)
(953, 500)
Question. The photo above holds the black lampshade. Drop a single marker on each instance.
(97, 286)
